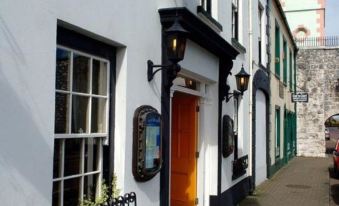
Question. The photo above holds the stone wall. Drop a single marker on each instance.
(317, 74)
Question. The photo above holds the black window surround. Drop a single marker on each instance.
(206, 13)
(71, 38)
(237, 45)
(235, 19)
(207, 6)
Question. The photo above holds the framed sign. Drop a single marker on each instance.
(147, 143)
(227, 136)
(300, 97)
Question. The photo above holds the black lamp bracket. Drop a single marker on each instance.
(235, 94)
(150, 66)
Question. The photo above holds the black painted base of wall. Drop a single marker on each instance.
(233, 195)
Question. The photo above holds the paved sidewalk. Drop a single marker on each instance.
(303, 182)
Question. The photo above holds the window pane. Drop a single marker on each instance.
(98, 115)
(72, 156)
(72, 192)
(56, 193)
(62, 69)
(57, 158)
(79, 114)
(91, 186)
(99, 77)
(61, 113)
(80, 73)
(91, 154)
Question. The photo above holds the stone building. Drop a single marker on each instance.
(305, 17)
(318, 75)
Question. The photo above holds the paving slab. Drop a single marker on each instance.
(303, 181)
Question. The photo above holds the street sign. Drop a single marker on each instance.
(300, 97)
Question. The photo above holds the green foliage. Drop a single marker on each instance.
(101, 199)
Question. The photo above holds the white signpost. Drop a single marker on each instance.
(300, 97)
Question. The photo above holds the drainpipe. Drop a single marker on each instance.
(250, 58)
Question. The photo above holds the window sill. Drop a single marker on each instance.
(210, 20)
(240, 48)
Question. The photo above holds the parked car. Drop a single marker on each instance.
(327, 134)
(336, 159)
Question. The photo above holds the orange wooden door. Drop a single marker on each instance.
(183, 158)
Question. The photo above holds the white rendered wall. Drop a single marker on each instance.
(260, 138)
(204, 67)
(228, 108)
(28, 82)
(27, 79)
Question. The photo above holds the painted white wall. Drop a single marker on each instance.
(260, 143)
(27, 68)
(200, 63)
(203, 66)
(27, 78)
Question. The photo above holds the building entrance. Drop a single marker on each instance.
(183, 150)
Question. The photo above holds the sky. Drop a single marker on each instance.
(332, 18)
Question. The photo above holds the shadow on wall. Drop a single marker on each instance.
(25, 154)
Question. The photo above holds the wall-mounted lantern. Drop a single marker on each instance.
(176, 37)
(242, 79)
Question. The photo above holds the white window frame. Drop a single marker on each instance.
(99, 136)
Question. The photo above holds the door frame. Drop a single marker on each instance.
(200, 96)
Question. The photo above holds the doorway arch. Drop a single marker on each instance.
(261, 87)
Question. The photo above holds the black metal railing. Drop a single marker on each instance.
(327, 41)
(129, 199)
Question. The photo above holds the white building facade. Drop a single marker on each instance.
(73, 74)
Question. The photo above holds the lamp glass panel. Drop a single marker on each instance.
(175, 47)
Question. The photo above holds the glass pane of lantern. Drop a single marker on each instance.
(175, 47)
